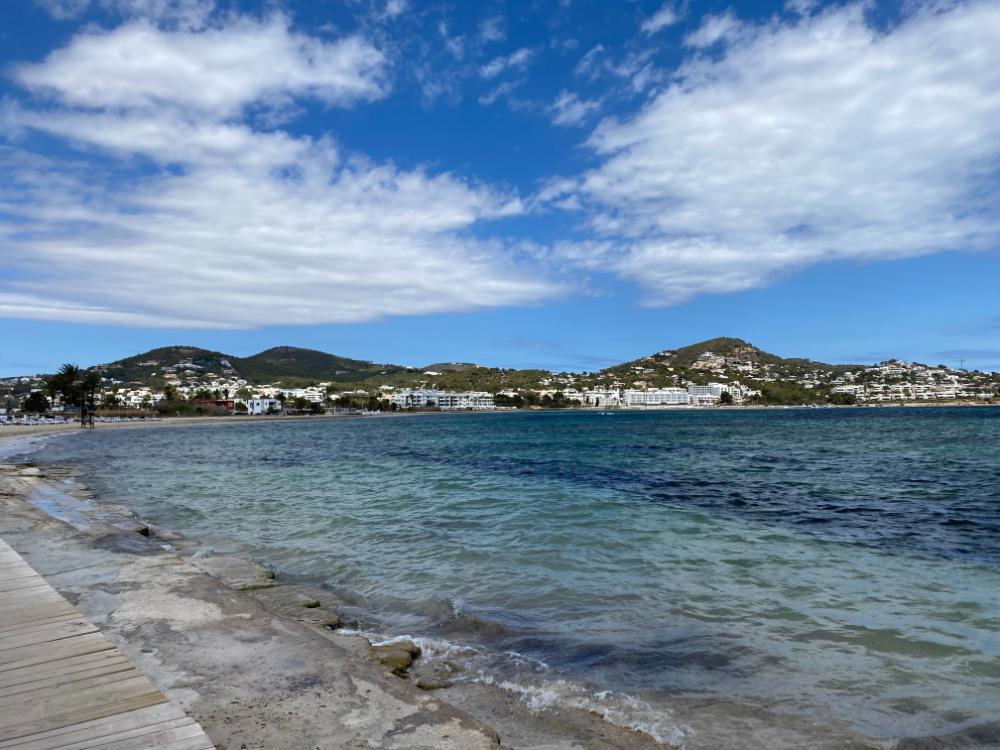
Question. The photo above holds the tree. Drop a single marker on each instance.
(68, 380)
(843, 399)
(35, 403)
(88, 386)
(726, 399)
(241, 408)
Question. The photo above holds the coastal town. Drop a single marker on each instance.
(732, 373)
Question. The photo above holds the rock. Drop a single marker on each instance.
(439, 676)
(397, 656)
(310, 603)
(237, 572)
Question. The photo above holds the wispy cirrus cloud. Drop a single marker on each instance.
(183, 13)
(516, 60)
(570, 109)
(665, 16)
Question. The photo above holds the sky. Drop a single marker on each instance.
(561, 184)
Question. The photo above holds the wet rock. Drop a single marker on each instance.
(438, 676)
(310, 603)
(131, 543)
(237, 572)
(397, 656)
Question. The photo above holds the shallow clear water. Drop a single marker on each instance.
(839, 564)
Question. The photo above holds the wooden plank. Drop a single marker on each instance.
(93, 732)
(42, 611)
(56, 631)
(95, 707)
(64, 686)
(186, 736)
(43, 619)
(71, 666)
(57, 688)
(23, 584)
(75, 679)
(49, 652)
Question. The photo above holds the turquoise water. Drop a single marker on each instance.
(842, 564)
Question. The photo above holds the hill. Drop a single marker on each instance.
(283, 363)
(295, 366)
(151, 367)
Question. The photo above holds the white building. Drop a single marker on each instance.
(603, 398)
(263, 406)
(451, 401)
(469, 400)
(656, 397)
(416, 399)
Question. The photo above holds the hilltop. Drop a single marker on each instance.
(285, 364)
(749, 374)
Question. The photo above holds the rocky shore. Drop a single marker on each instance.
(260, 663)
(263, 662)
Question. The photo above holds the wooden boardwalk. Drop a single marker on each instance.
(64, 685)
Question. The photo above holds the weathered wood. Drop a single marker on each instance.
(64, 686)
(101, 660)
(96, 731)
(50, 652)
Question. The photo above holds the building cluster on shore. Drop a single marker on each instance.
(650, 383)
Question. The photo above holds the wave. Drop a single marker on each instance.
(534, 683)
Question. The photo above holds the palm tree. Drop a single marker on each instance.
(88, 386)
(69, 383)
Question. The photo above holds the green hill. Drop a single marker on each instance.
(289, 362)
(149, 367)
(291, 366)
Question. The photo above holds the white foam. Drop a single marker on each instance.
(620, 709)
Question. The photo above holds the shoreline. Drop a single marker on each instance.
(520, 727)
(38, 524)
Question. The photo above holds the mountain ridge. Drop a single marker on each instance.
(298, 365)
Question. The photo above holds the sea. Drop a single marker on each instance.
(839, 565)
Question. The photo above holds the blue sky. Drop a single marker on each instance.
(561, 184)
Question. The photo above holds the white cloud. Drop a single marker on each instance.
(218, 224)
(216, 71)
(499, 91)
(183, 13)
(394, 8)
(714, 29)
(516, 60)
(665, 16)
(821, 139)
(493, 29)
(588, 64)
(635, 69)
(569, 109)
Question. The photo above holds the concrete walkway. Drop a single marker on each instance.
(64, 685)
